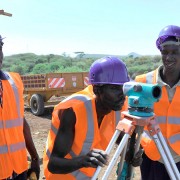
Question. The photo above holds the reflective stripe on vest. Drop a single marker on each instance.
(171, 120)
(174, 138)
(90, 132)
(12, 122)
(149, 77)
(118, 116)
(12, 147)
(80, 176)
(166, 120)
(16, 94)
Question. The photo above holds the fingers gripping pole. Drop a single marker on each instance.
(126, 126)
(108, 149)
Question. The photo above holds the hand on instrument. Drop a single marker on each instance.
(95, 158)
(137, 159)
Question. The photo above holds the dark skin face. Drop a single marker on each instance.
(108, 97)
(171, 64)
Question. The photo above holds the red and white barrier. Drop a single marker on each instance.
(56, 82)
(86, 81)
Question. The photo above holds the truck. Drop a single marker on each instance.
(43, 90)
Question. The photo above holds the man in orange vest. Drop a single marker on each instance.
(83, 124)
(167, 109)
(15, 135)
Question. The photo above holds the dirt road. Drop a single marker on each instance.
(39, 129)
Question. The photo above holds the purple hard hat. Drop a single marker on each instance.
(108, 70)
(170, 33)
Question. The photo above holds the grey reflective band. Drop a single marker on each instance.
(80, 176)
(174, 138)
(17, 147)
(12, 147)
(54, 129)
(174, 120)
(11, 123)
(90, 131)
(3, 149)
(171, 120)
(161, 119)
(118, 117)
(149, 77)
(48, 153)
(89, 135)
(16, 94)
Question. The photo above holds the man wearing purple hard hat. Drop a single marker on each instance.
(83, 124)
(15, 138)
(167, 110)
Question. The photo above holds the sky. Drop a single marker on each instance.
(114, 27)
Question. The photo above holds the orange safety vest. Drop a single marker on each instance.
(87, 133)
(13, 155)
(168, 117)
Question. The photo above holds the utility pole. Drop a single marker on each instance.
(2, 12)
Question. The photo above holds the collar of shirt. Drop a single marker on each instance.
(161, 82)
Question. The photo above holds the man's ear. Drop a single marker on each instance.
(96, 90)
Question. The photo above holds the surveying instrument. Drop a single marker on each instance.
(141, 99)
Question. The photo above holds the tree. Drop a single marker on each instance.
(41, 69)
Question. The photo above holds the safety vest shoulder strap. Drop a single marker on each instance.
(150, 77)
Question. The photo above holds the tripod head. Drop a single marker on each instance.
(141, 98)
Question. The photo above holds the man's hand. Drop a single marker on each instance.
(137, 160)
(95, 158)
(34, 168)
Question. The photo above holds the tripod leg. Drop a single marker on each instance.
(108, 149)
(116, 155)
(169, 169)
(126, 126)
(139, 131)
(168, 154)
(123, 154)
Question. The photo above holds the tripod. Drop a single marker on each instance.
(134, 124)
